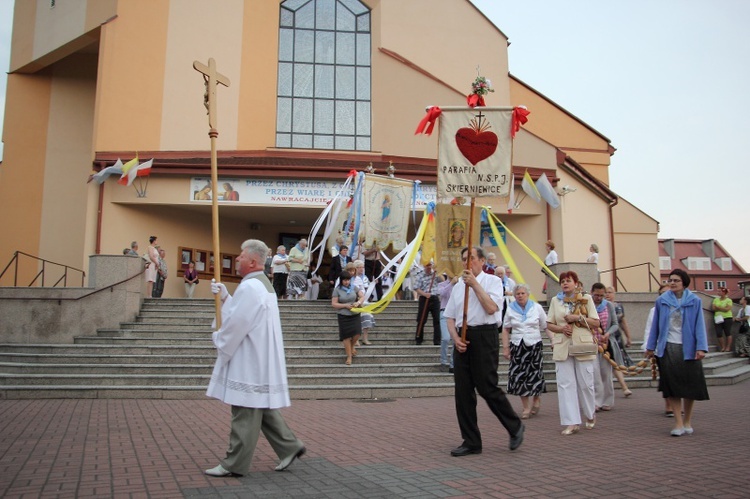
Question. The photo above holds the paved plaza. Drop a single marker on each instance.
(373, 449)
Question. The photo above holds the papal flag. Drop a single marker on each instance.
(474, 153)
(529, 188)
(104, 174)
(547, 192)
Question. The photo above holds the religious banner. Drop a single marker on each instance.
(386, 202)
(452, 235)
(474, 152)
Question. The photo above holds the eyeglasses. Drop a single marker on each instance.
(674, 280)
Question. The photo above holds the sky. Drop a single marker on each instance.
(666, 81)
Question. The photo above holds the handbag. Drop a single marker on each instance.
(718, 319)
(744, 328)
(582, 349)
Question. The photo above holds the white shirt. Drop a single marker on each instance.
(551, 258)
(279, 264)
(476, 315)
(250, 369)
(530, 330)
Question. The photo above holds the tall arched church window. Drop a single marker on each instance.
(323, 88)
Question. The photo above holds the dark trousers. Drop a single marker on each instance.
(433, 307)
(158, 286)
(475, 371)
(373, 268)
(279, 283)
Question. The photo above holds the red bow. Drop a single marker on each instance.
(519, 118)
(431, 117)
(474, 100)
(352, 173)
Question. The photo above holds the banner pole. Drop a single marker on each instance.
(468, 267)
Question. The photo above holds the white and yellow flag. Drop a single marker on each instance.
(475, 149)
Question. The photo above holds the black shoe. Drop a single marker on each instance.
(418, 340)
(464, 451)
(517, 439)
(450, 370)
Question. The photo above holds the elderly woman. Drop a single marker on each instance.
(678, 339)
(572, 317)
(603, 381)
(344, 298)
(522, 345)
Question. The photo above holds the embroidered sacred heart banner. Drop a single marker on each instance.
(474, 153)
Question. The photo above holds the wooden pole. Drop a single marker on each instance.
(468, 267)
(212, 78)
(213, 134)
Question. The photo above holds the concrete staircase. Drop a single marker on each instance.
(167, 353)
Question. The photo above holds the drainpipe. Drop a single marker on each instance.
(100, 209)
(612, 241)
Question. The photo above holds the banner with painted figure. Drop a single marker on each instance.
(387, 203)
(452, 235)
(474, 153)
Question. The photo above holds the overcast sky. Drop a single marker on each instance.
(666, 81)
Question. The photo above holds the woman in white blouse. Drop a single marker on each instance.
(522, 345)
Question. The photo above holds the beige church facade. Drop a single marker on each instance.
(317, 88)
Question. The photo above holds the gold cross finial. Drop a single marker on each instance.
(211, 77)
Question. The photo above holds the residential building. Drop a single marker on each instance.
(709, 265)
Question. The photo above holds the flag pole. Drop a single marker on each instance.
(211, 78)
(468, 267)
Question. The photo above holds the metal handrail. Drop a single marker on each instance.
(650, 274)
(64, 277)
(92, 292)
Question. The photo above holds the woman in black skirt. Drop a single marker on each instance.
(522, 345)
(344, 298)
(678, 339)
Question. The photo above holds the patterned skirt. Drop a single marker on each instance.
(526, 376)
(296, 283)
(680, 378)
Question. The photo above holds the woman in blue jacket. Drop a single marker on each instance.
(678, 339)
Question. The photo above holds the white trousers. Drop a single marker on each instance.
(189, 289)
(575, 390)
(603, 384)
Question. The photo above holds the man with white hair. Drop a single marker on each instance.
(250, 371)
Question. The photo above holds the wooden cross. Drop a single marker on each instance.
(212, 77)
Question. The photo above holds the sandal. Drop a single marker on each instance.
(571, 430)
(590, 424)
(525, 415)
(535, 409)
(627, 393)
(348, 362)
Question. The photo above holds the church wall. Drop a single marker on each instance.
(130, 83)
(22, 171)
(585, 220)
(636, 241)
(68, 161)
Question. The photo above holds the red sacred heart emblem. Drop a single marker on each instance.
(476, 145)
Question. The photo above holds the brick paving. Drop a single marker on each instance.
(372, 449)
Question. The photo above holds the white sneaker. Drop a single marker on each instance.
(688, 430)
(218, 471)
(677, 432)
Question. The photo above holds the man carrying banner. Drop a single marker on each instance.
(475, 360)
(429, 302)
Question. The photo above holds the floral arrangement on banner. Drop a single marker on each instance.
(479, 88)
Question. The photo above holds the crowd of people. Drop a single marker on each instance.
(477, 314)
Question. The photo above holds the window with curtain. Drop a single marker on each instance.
(323, 93)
